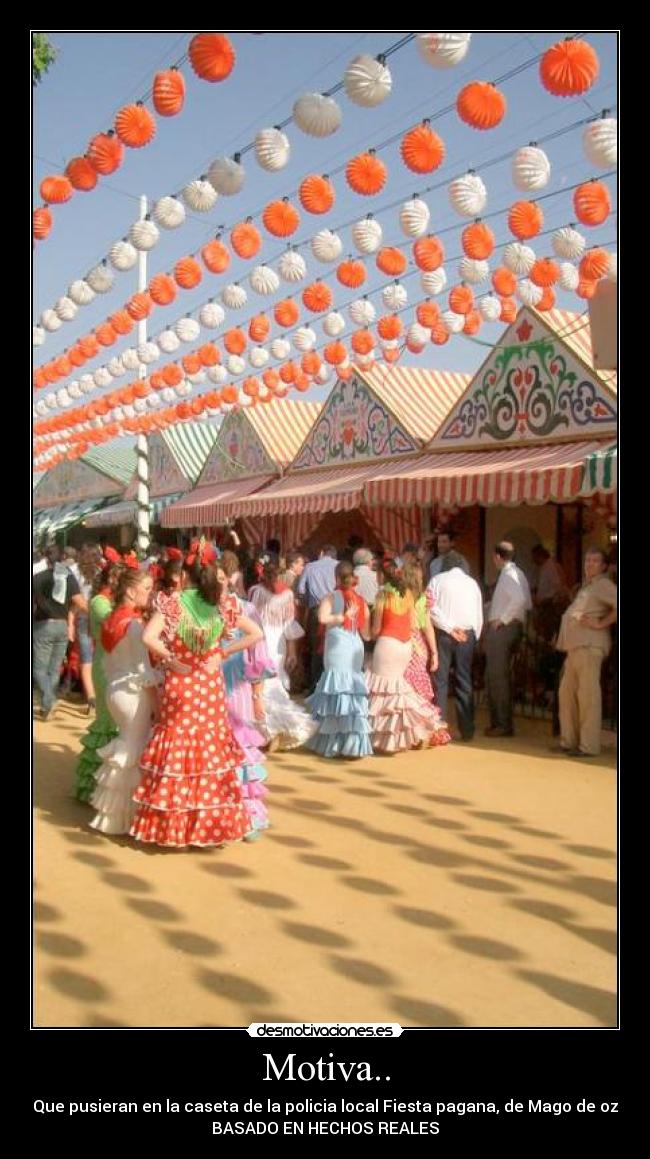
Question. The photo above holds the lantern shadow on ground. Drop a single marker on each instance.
(425, 918)
(600, 1004)
(261, 897)
(417, 1013)
(604, 939)
(190, 943)
(59, 945)
(315, 935)
(157, 911)
(323, 862)
(358, 970)
(592, 851)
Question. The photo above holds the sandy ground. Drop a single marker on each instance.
(467, 886)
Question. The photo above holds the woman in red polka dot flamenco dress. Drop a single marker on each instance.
(190, 792)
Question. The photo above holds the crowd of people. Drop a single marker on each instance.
(191, 660)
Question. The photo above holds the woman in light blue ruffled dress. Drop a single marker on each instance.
(340, 701)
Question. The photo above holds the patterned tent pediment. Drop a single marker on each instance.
(238, 452)
(532, 388)
(165, 476)
(354, 426)
(72, 481)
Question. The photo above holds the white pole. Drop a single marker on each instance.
(143, 442)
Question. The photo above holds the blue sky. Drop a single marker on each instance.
(95, 73)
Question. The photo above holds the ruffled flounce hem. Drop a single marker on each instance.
(324, 704)
(287, 721)
(177, 754)
(341, 744)
(221, 825)
(113, 798)
(358, 723)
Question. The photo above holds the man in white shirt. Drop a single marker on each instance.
(367, 585)
(456, 608)
(506, 617)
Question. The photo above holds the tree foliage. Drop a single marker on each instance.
(43, 55)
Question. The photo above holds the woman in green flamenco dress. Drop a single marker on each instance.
(103, 728)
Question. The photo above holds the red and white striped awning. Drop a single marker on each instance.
(550, 474)
(331, 489)
(208, 506)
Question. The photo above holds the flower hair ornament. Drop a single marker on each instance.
(204, 552)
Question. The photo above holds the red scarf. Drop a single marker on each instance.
(116, 625)
(352, 600)
(279, 588)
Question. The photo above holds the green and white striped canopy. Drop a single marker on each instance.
(600, 471)
(127, 512)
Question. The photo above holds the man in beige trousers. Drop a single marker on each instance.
(584, 636)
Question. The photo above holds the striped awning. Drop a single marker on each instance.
(53, 519)
(211, 506)
(332, 489)
(601, 471)
(551, 474)
(127, 512)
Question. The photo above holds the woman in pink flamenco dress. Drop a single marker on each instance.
(424, 654)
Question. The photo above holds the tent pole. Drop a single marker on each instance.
(143, 442)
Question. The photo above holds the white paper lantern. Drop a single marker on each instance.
(531, 169)
(280, 348)
(50, 321)
(324, 374)
(226, 175)
(334, 324)
(200, 195)
(123, 256)
(234, 296)
(212, 315)
(50, 399)
(292, 267)
(362, 312)
(66, 309)
(101, 278)
(41, 407)
(365, 361)
(519, 259)
(272, 149)
(414, 217)
(474, 271)
(184, 389)
(217, 374)
(568, 243)
(452, 322)
(168, 341)
(187, 329)
(600, 142)
(569, 276)
(490, 308)
(367, 235)
(235, 364)
(258, 357)
(434, 281)
(148, 352)
(81, 292)
(394, 296)
(528, 292)
(168, 394)
(38, 336)
(144, 235)
(102, 377)
(418, 335)
(87, 383)
(317, 115)
(326, 246)
(169, 212)
(140, 406)
(198, 378)
(74, 389)
(130, 359)
(443, 49)
(612, 272)
(115, 367)
(468, 195)
(153, 400)
(264, 280)
(305, 339)
(367, 81)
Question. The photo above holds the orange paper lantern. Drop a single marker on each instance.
(335, 353)
(439, 334)
(545, 272)
(41, 223)
(478, 241)
(481, 105)
(311, 362)
(351, 273)
(317, 297)
(504, 282)
(172, 374)
(586, 289)
(362, 342)
(547, 300)
(473, 322)
(56, 189)
(188, 273)
(81, 174)
(422, 150)
(592, 203)
(594, 265)
(212, 56)
(191, 363)
(390, 260)
(569, 68)
(229, 393)
(525, 219)
(389, 327)
(366, 174)
(168, 92)
(286, 312)
(281, 218)
(259, 328)
(139, 306)
(105, 334)
(209, 354)
(162, 289)
(121, 321)
(316, 194)
(215, 256)
(105, 153)
(461, 299)
(288, 372)
(508, 310)
(135, 126)
(235, 341)
(428, 253)
(246, 240)
(428, 314)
